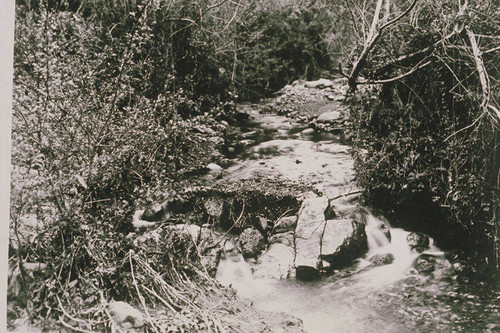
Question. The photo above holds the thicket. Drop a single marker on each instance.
(115, 101)
(427, 132)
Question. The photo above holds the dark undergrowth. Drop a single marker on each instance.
(426, 147)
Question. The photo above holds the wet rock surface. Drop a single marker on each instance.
(251, 242)
(382, 259)
(343, 241)
(309, 233)
(418, 241)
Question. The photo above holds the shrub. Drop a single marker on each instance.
(428, 147)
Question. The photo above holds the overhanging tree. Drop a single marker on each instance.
(436, 65)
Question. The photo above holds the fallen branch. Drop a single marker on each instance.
(344, 195)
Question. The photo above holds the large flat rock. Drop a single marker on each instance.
(323, 165)
(308, 233)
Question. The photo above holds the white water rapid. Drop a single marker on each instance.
(345, 302)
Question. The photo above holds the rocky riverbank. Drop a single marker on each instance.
(280, 209)
(285, 205)
(285, 200)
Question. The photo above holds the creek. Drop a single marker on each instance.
(363, 297)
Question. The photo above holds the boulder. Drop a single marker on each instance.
(251, 243)
(342, 242)
(126, 315)
(285, 224)
(329, 117)
(214, 207)
(275, 263)
(385, 230)
(418, 241)
(308, 234)
(138, 223)
(425, 264)
(382, 259)
(154, 212)
(308, 131)
(214, 171)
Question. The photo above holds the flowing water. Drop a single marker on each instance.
(364, 297)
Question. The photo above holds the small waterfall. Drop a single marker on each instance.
(233, 269)
(380, 245)
(375, 233)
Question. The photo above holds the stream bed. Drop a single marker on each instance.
(363, 297)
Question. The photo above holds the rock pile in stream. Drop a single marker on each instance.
(316, 245)
(319, 103)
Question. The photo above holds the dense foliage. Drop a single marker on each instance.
(116, 103)
(427, 143)
(289, 43)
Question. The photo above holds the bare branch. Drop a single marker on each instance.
(399, 77)
(492, 50)
(403, 14)
(372, 39)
